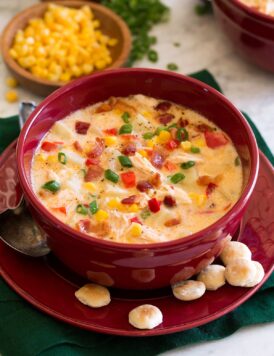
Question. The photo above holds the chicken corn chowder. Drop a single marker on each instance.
(137, 170)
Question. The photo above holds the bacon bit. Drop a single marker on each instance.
(129, 179)
(206, 180)
(210, 188)
(173, 132)
(111, 132)
(105, 107)
(82, 127)
(204, 128)
(163, 106)
(136, 220)
(169, 201)
(129, 137)
(144, 186)
(172, 144)
(61, 209)
(215, 139)
(155, 180)
(157, 159)
(77, 146)
(183, 122)
(165, 118)
(154, 205)
(98, 149)
(131, 200)
(170, 166)
(129, 149)
(94, 173)
(172, 222)
(83, 225)
(92, 161)
(50, 146)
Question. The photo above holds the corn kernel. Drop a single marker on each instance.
(198, 199)
(116, 204)
(11, 82)
(143, 153)
(147, 114)
(133, 208)
(199, 142)
(41, 158)
(164, 137)
(11, 96)
(152, 142)
(186, 145)
(91, 187)
(52, 159)
(110, 140)
(101, 215)
(135, 229)
(112, 42)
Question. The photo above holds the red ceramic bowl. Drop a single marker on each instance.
(251, 32)
(134, 266)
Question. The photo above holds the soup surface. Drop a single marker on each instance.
(264, 6)
(137, 170)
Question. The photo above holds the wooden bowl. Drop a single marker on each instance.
(111, 25)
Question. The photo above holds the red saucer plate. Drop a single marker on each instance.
(50, 287)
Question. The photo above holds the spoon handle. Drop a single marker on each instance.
(25, 109)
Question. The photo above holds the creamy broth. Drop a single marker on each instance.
(264, 6)
(137, 170)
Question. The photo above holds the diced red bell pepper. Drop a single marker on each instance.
(92, 161)
(172, 144)
(111, 132)
(50, 146)
(210, 188)
(215, 139)
(170, 166)
(129, 137)
(136, 220)
(61, 209)
(154, 205)
(129, 179)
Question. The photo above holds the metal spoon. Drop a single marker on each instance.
(17, 228)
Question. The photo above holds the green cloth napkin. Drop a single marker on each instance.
(24, 331)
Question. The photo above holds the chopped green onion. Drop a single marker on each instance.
(194, 149)
(182, 134)
(62, 158)
(172, 66)
(126, 117)
(83, 171)
(237, 161)
(176, 178)
(125, 161)
(148, 135)
(81, 209)
(171, 126)
(53, 186)
(112, 176)
(159, 129)
(93, 207)
(152, 55)
(203, 9)
(145, 214)
(125, 129)
(187, 165)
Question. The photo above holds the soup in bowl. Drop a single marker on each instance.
(137, 176)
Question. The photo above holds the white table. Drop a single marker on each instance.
(248, 87)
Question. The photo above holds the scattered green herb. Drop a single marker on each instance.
(172, 66)
(145, 214)
(187, 165)
(126, 117)
(194, 149)
(81, 209)
(176, 178)
(237, 161)
(204, 8)
(93, 207)
(152, 55)
(148, 135)
(62, 158)
(125, 129)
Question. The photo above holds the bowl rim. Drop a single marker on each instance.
(216, 226)
(254, 13)
(14, 66)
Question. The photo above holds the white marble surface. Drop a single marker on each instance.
(248, 87)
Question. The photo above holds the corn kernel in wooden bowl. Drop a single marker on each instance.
(47, 45)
